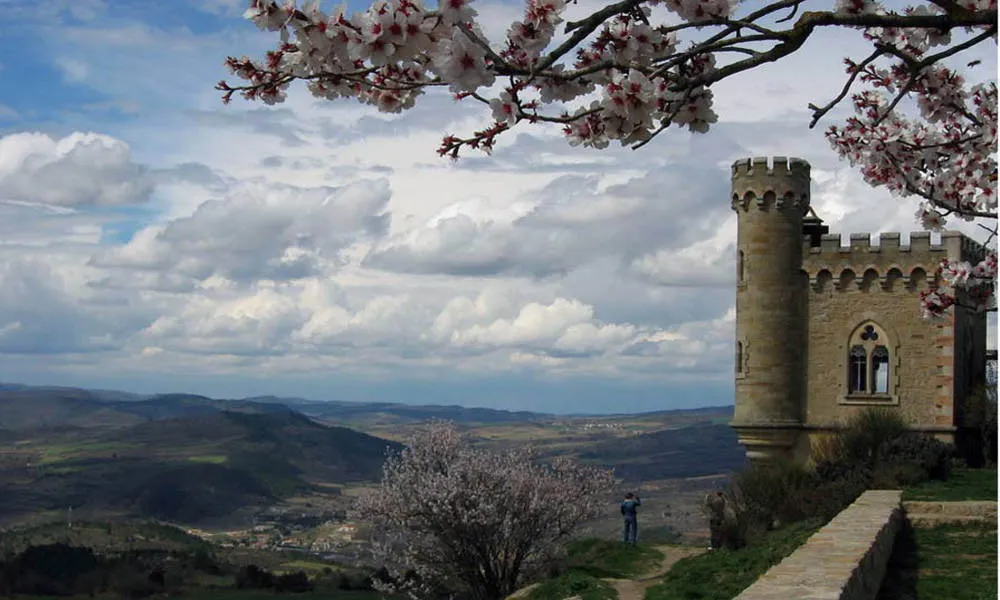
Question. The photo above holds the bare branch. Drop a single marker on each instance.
(818, 112)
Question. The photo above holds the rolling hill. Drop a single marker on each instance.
(193, 459)
(188, 469)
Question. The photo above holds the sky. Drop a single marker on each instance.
(154, 240)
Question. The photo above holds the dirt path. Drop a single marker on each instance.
(635, 589)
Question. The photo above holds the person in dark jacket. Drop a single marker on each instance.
(629, 506)
(715, 507)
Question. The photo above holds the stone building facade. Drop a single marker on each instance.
(825, 328)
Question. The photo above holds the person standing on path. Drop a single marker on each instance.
(715, 507)
(629, 506)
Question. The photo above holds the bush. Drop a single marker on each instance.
(297, 582)
(840, 484)
(763, 496)
(868, 430)
(929, 457)
(253, 577)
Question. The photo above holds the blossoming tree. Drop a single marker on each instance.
(470, 521)
(627, 73)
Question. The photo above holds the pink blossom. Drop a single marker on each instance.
(918, 129)
(451, 513)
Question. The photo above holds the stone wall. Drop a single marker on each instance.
(881, 283)
(845, 560)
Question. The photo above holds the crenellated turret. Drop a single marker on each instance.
(770, 200)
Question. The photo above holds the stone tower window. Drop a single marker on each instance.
(858, 370)
(739, 356)
(880, 370)
(868, 362)
(739, 266)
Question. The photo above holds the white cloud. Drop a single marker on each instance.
(39, 316)
(82, 169)
(261, 231)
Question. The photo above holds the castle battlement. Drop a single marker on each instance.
(775, 166)
(954, 245)
(779, 182)
(862, 261)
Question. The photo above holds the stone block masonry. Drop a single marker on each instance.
(845, 560)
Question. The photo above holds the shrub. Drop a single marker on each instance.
(866, 432)
(292, 582)
(771, 493)
(839, 484)
(929, 457)
(253, 577)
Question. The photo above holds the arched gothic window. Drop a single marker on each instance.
(868, 362)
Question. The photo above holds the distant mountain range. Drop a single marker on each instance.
(192, 459)
(23, 406)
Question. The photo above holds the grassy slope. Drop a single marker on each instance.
(723, 574)
(589, 560)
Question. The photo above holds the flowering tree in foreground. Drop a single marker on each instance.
(471, 521)
(628, 72)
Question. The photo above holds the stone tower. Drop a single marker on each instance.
(771, 304)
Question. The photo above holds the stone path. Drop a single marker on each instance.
(635, 589)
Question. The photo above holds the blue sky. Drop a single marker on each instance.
(152, 239)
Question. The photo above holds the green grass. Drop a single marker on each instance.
(574, 583)
(311, 567)
(215, 459)
(948, 562)
(605, 558)
(963, 484)
(723, 574)
(55, 453)
(956, 563)
(589, 560)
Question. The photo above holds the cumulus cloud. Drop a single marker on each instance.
(262, 231)
(39, 316)
(568, 223)
(79, 170)
(497, 329)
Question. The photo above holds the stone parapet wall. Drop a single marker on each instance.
(888, 258)
(845, 560)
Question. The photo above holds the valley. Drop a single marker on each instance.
(270, 481)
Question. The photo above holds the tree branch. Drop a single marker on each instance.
(818, 112)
